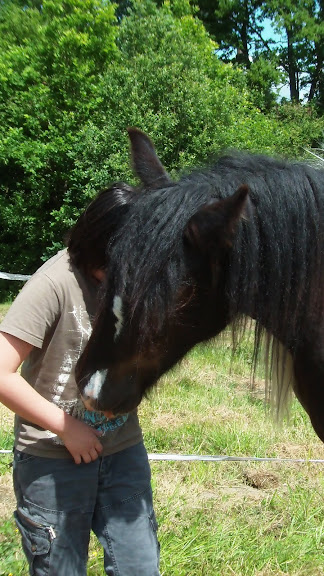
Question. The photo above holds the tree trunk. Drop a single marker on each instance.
(292, 69)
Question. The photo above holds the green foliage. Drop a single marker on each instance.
(263, 77)
(301, 125)
(72, 78)
(51, 58)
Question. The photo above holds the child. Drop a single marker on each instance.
(74, 470)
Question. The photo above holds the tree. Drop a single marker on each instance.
(72, 80)
(51, 57)
(170, 83)
(237, 26)
(315, 55)
(289, 16)
(301, 56)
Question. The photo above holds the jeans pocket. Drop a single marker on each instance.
(36, 541)
(22, 457)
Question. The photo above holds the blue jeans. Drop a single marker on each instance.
(60, 502)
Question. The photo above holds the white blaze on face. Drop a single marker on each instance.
(93, 388)
(118, 312)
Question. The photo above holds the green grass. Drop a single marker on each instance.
(222, 518)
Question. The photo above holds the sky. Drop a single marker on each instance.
(268, 32)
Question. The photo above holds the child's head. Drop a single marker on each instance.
(88, 239)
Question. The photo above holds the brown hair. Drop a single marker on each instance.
(87, 240)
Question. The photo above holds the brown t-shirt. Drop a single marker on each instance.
(54, 312)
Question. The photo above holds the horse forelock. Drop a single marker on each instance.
(150, 277)
(276, 259)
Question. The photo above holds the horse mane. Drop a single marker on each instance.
(275, 271)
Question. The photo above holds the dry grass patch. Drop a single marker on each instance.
(6, 418)
(171, 420)
(311, 450)
(206, 375)
(177, 489)
(210, 375)
(261, 479)
(7, 497)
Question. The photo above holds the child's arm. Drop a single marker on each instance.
(80, 439)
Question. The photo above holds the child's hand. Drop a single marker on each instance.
(81, 440)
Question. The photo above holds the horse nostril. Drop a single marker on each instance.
(88, 403)
(109, 415)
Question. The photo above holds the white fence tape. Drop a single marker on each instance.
(6, 276)
(204, 458)
(193, 458)
(321, 150)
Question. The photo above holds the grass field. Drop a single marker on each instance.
(223, 518)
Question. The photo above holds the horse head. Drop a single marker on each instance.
(166, 288)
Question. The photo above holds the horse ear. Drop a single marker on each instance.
(214, 224)
(146, 163)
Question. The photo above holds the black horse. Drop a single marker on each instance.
(243, 238)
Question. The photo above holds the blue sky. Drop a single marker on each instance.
(268, 32)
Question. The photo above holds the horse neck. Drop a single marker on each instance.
(264, 308)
